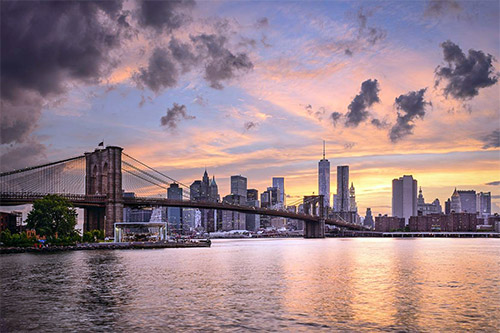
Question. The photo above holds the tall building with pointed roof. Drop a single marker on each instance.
(324, 178)
(353, 207)
(456, 205)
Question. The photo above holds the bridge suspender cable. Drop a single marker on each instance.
(39, 166)
(147, 166)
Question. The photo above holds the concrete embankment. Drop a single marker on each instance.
(106, 246)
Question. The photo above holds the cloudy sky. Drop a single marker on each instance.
(252, 88)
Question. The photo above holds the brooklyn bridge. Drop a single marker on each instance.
(96, 182)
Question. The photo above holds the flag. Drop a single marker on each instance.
(101, 144)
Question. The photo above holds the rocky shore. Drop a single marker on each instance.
(107, 246)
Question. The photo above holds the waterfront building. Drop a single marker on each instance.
(427, 208)
(174, 214)
(368, 222)
(279, 182)
(404, 197)
(11, 221)
(483, 204)
(454, 222)
(389, 223)
(324, 178)
(342, 188)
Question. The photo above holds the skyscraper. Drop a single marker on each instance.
(324, 178)
(404, 197)
(368, 222)
(239, 185)
(279, 182)
(343, 188)
(456, 205)
(352, 199)
(483, 204)
(468, 201)
(174, 214)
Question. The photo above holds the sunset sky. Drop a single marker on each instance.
(252, 88)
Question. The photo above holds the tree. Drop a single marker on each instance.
(53, 216)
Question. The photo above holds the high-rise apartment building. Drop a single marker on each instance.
(324, 179)
(279, 182)
(343, 188)
(404, 197)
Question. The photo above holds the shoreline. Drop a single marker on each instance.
(105, 246)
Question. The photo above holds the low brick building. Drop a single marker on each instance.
(389, 223)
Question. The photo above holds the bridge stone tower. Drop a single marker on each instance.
(313, 205)
(103, 176)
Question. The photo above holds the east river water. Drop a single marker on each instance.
(359, 284)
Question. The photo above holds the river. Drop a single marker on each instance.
(356, 284)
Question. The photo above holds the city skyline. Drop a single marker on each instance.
(348, 84)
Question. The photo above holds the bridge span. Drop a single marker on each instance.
(97, 180)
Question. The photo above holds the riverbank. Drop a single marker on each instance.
(107, 246)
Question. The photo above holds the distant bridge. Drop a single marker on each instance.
(97, 181)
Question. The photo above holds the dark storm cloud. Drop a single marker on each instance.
(358, 108)
(163, 15)
(439, 8)
(22, 156)
(379, 124)
(220, 63)
(335, 117)
(174, 115)
(47, 44)
(495, 183)
(183, 54)
(491, 140)
(249, 125)
(465, 74)
(412, 106)
(160, 73)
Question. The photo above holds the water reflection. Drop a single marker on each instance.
(104, 290)
(264, 285)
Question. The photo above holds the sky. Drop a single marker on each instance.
(253, 88)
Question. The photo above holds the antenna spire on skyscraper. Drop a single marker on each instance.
(323, 149)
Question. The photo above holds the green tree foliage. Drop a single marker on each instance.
(93, 236)
(21, 239)
(53, 214)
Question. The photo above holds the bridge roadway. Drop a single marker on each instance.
(86, 201)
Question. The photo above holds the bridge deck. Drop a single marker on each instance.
(85, 201)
